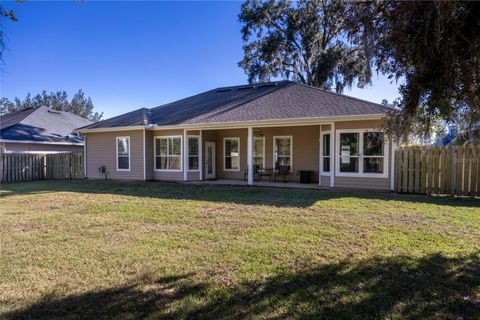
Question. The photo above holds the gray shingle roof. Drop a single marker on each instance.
(41, 125)
(281, 100)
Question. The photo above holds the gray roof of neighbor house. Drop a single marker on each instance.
(280, 100)
(41, 125)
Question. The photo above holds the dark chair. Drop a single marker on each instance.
(256, 172)
(281, 171)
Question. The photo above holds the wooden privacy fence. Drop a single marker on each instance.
(453, 170)
(20, 167)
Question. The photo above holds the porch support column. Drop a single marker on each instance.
(250, 156)
(85, 157)
(185, 155)
(319, 155)
(393, 147)
(144, 157)
(200, 155)
(333, 155)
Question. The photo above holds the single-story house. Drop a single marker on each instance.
(41, 130)
(238, 132)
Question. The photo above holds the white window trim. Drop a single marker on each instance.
(291, 150)
(155, 154)
(360, 173)
(263, 149)
(323, 173)
(224, 156)
(129, 152)
(188, 154)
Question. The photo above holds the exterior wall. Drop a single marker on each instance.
(231, 133)
(102, 150)
(10, 147)
(305, 148)
(165, 175)
(149, 154)
(362, 182)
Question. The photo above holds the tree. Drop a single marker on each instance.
(304, 41)
(434, 49)
(79, 105)
(9, 15)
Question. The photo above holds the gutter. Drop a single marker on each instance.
(42, 142)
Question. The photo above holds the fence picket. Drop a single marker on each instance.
(29, 167)
(453, 170)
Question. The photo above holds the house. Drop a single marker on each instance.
(40, 130)
(231, 132)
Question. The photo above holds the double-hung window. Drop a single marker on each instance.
(259, 152)
(123, 153)
(231, 160)
(361, 153)
(282, 151)
(193, 152)
(325, 161)
(168, 153)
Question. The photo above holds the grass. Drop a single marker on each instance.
(117, 250)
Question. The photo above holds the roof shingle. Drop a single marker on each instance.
(281, 100)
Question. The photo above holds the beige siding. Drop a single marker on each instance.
(325, 181)
(101, 151)
(149, 154)
(361, 124)
(40, 148)
(233, 133)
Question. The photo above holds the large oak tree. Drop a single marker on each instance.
(304, 41)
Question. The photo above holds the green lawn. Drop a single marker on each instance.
(89, 250)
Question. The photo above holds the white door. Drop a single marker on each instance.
(210, 160)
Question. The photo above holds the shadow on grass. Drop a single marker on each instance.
(433, 287)
(279, 197)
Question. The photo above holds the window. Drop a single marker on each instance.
(193, 151)
(123, 153)
(282, 151)
(325, 152)
(231, 147)
(361, 153)
(373, 152)
(259, 152)
(168, 153)
(349, 156)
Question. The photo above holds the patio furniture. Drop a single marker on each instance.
(281, 171)
(305, 176)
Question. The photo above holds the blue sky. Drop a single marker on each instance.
(127, 55)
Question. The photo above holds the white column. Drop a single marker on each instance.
(250, 156)
(200, 156)
(319, 155)
(185, 155)
(144, 157)
(392, 164)
(333, 155)
(85, 157)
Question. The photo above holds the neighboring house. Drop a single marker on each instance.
(40, 130)
(241, 128)
(446, 137)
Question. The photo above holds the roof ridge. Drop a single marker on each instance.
(344, 95)
(253, 85)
